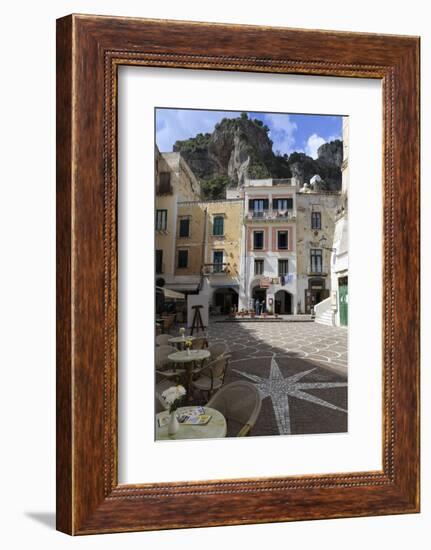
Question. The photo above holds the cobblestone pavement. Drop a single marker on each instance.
(317, 343)
(299, 368)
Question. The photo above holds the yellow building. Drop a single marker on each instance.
(208, 249)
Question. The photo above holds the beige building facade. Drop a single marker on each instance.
(175, 182)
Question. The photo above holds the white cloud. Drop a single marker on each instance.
(313, 144)
(282, 132)
(178, 124)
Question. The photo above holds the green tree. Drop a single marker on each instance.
(215, 188)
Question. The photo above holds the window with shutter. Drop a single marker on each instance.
(161, 220)
(258, 267)
(218, 261)
(258, 240)
(316, 220)
(185, 227)
(316, 260)
(258, 206)
(282, 240)
(283, 267)
(282, 204)
(183, 256)
(218, 225)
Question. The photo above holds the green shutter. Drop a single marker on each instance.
(218, 225)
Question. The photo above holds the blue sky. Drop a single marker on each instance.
(289, 132)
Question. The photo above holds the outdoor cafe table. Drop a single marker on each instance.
(179, 341)
(216, 427)
(188, 359)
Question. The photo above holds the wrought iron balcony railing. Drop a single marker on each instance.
(215, 269)
(272, 214)
(318, 269)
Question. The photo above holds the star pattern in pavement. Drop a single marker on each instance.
(279, 388)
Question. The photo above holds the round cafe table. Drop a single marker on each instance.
(179, 341)
(216, 427)
(188, 359)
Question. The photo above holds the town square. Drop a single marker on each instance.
(251, 277)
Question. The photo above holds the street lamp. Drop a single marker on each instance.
(322, 242)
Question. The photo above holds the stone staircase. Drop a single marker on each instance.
(323, 313)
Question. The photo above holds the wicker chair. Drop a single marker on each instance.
(165, 369)
(240, 403)
(210, 377)
(217, 349)
(200, 342)
(161, 355)
(163, 339)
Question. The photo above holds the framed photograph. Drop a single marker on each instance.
(237, 274)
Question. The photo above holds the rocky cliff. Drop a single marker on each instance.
(241, 148)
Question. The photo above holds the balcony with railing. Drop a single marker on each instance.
(318, 269)
(215, 269)
(272, 214)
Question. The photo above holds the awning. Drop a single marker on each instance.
(182, 287)
(171, 294)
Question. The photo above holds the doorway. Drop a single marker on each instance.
(259, 294)
(225, 299)
(283, 302)
(315, 293)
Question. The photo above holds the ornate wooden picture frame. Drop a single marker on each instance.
(89, 51)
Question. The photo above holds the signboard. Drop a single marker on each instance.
(265, 282)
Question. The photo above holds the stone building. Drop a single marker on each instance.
(174, 182)
(315, 224)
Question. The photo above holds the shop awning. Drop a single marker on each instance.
(182, 287)
(171, 294)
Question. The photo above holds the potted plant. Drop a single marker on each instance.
(173, 397)
(188, 345)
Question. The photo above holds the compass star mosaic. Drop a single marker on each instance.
(297, 396)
